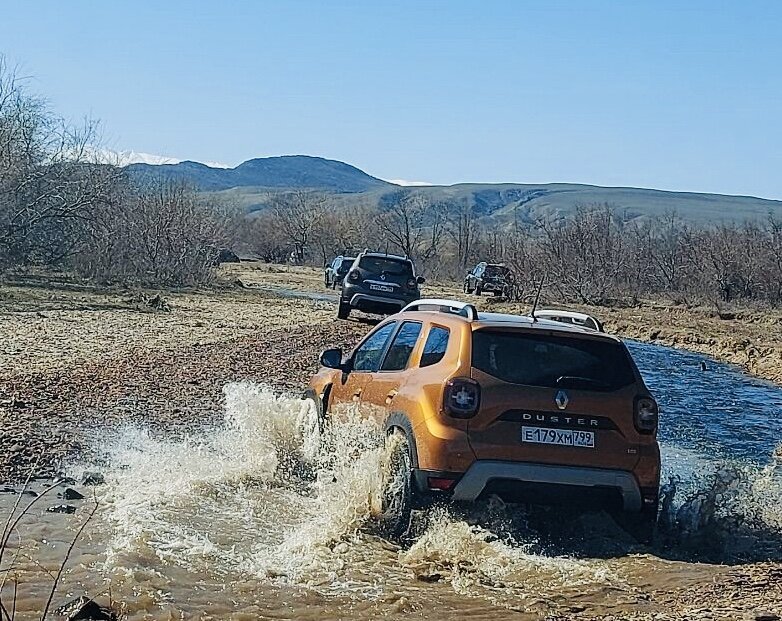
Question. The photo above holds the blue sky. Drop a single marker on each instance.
(673, 95)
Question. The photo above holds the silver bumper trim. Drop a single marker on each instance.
(363, 297)
(481, 472)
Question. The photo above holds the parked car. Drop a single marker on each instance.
(493, 277)
(533, 410)
(336, 270)
(378, 283)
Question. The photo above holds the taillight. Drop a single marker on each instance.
(411, 284)
(646, 415)
(462, 397)
(353, 275)
(440, 483)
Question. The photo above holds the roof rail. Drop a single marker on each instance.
(570, 317)
(454, 307)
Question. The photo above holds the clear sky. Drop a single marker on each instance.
(673, 95)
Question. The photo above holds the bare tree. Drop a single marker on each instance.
(50, 179)
(413, 225)
(298, 213)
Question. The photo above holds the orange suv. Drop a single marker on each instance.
(533, 410)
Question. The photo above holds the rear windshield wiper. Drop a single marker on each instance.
(575, 381)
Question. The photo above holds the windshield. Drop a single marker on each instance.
(386, 265)
(552, 361)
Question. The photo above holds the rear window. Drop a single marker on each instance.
(495, 270)
(385, 265)
(552, 361)
(345, 265)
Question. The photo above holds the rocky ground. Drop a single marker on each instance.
(75, 360)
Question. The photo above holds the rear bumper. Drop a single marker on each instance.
(366, 301)
(482, 472)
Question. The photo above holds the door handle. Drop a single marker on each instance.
(390, 397)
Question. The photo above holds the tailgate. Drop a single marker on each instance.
(594, 429)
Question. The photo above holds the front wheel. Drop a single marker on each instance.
(396, 496)
(310, 424)
(478, 290)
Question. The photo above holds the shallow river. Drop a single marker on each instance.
(245, 521)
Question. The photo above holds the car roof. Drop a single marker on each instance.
(383, 255)
(452, 311)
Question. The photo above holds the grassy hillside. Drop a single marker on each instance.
(529, 203)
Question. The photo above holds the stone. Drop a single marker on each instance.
(85, 609)
(62, 509)
(72, 494)
(92, 478)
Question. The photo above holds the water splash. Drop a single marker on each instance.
(726, 511)
(269, 498)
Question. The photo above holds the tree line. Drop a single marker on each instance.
(596, 255)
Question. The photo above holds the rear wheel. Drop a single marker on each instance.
(466, 287)
(396, 500)
(343, 310)
(640, 526)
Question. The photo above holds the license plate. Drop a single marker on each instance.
(559, 437)
(384, 288)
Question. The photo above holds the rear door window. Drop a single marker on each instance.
(367, 355)
(402, 346)
(552, 361)
(436, 344)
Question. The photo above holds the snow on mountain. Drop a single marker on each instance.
(123, 158)
(405, 182)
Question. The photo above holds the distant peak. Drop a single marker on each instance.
(124, 158)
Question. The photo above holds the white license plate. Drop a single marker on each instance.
(559, 437)
(385, 288)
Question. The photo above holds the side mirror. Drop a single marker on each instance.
(420, 280)
(331, 358)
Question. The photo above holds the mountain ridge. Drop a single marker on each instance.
(283, 171)
(250, 183)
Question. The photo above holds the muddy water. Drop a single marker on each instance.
(248, 521)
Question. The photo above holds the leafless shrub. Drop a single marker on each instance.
(163, 234)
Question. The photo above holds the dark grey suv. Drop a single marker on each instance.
(379, 283)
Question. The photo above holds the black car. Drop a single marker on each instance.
(489, 277)
(379, 283)
(336, 270)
